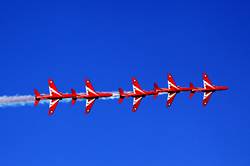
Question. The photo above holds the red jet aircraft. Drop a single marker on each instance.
(54, 97)
(172, 90)
(90, 96)
(137, 94)
(208, 89)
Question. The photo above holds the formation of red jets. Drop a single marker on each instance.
(138, 93)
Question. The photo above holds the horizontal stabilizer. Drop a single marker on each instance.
(122, 95)
(36, 102)
(156, 90)
(74, 96)
(37, 94)
(192, 87)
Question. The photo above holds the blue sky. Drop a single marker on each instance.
(109, 42)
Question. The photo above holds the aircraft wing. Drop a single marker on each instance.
(89, 104)
(136, 103)
(206, 97)
(53, 90)
(52, 106)
(170, 100)
(136, 87)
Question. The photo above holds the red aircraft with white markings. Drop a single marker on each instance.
(54, 97)
(138, 94)
(172, 90)
(208, 89)
(90, 96)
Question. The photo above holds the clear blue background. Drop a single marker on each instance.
(109, 42)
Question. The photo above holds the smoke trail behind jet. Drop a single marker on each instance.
(25, 100)
(17, 100)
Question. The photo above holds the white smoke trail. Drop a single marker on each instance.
(6, 101)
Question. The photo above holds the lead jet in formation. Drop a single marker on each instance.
(208, 89)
